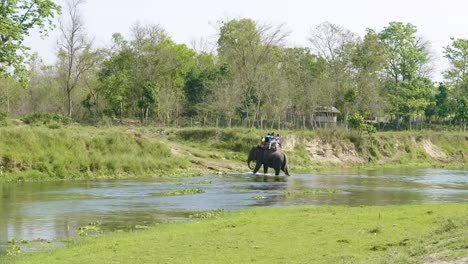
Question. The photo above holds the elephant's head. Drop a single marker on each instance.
(253, 154)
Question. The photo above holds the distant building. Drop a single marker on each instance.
(325, 114)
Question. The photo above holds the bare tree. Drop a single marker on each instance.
(328, 38)
(75, 53)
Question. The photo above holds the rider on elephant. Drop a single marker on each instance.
(271, 141)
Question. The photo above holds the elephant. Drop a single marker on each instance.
(274, 158)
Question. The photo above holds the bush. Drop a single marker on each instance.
(3, 119)
(49, 119)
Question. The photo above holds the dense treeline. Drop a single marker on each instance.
(251, 79)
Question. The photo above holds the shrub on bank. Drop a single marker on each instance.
(54, 120)
(3, 119)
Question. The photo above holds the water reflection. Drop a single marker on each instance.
(56, 210)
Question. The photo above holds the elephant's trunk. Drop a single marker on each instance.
(248, 163)
(251, 157)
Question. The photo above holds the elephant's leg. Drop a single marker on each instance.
(277, 170)
(257, 167)
(265, 168)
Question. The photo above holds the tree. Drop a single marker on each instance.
(407, 86)
(461, 112)
(457, 75)
(247, 47)
(75, 54)
(303, 72)
(442, 102)
(225, 97)
(336, 44)
(407, 53)
(410, 98)
(369, 61)
(115, 76)
(17, 19)
(198, 82)
(327, 39)
(457, 78)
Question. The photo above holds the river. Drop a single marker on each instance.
(54, 211)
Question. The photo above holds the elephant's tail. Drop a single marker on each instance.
(285, 166)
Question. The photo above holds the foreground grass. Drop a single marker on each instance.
(403, 234)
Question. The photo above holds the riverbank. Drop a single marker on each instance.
(29, 153)
(397, 234)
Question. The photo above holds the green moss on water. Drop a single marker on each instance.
(307, 192)
(178, 192)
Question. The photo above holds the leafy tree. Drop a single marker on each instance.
(114, 76)
(198, 81)
(146, 76)
(461, 112)
(407, 53)
(457, 75)
(303, 72)
(442, 101)
(457, 78)
(407, 87)
(369, 61)
(17, 19)
(248, 48)
(356, 121)
(410, 97)
(148, 99)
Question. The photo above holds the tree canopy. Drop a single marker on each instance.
(17, 19)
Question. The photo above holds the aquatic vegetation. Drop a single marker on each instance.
(141, 227)
(13, 250)
(208, 214)
(178, 192)
(305, 192)
(90, 229)
(202, 182)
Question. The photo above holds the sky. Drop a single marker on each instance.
(185, 21)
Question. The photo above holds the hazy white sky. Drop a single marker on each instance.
(436, 20)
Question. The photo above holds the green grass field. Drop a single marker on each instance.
(401, 234)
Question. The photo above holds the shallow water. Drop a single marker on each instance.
(55, 210)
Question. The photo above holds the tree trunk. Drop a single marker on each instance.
(121, 110)
(303, 121)
(7, 97)
(69, 102)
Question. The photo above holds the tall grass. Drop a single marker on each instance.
(76, 152)
(41, 153)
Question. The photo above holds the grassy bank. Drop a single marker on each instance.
(403, 234)
(76, 152)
